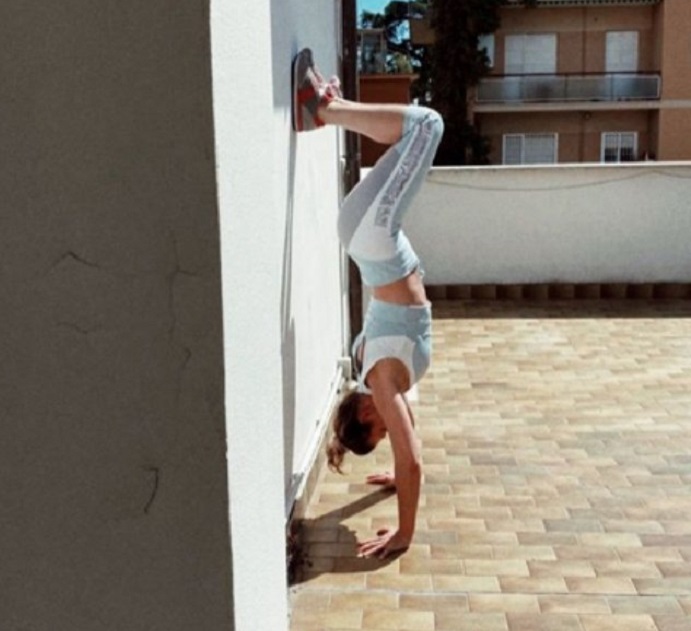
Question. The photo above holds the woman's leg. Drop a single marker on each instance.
(370, 218)
(382, 123)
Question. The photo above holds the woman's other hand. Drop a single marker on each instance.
(385, 480)
(387, 543)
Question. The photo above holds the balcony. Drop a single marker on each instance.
(540, 88)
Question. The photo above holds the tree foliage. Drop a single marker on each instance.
(449, 69)
(402, 54)
(458, 64)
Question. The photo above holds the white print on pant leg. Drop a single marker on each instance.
(412, 159)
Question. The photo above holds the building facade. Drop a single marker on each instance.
(586, 81)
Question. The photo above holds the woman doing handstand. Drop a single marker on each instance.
(393, 350)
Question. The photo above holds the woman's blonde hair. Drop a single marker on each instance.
(350, 434)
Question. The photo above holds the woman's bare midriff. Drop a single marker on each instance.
(405, 291)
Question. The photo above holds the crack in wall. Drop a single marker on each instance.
(157, 477)
(78, 329)
(173, 337)
(71, 254)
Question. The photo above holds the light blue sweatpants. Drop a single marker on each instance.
(369, 222)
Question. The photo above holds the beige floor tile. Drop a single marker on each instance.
(421, 583)
(543, 622)
(500, 567)
(398, 620)
(328, 580)
(618, 623)
(434, 602)
(610, 539)
(674, 586)
(363, 600)
(575, 569)
(656, 554)
(630, 569)
(573, 604)
(674, 569)
(310, 599)
(685, 602)
(610, 586)
(672, 623)
(466, 584)
(532, 585)
(528, 553)
(661, 605)
(330, 619)
(430, 566)
(503, 603)
(461, 551)
(456, 621)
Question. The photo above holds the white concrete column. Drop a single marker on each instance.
(252, 232)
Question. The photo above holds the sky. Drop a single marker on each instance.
(375, 6)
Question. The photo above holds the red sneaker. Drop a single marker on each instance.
(309, 92)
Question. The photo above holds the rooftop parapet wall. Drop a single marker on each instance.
(562, 224)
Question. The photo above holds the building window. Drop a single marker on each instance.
(486, 43)
(622, 51)
(531, 54)
(530, 148)
(371, 51)
(619, 146)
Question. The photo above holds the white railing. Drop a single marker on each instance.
(585, 87)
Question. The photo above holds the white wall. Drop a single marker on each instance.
(282, 280)
(572, 223)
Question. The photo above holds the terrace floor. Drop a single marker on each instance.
(556, 442)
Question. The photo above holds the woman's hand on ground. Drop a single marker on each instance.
(388, 542)
(385, 480)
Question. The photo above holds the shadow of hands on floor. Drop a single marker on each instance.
(326, 545)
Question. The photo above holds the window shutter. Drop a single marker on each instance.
(540, 149)
(530, 149)
(514, 54)
(531, 54)
(622, 51)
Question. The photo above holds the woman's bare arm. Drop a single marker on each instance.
(394, 410)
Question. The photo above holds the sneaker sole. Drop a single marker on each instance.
(301, 63)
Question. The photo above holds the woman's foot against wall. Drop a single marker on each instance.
(310, 92)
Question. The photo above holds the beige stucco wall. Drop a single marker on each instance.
(673, 126)
(675, 17)
(581, 34)
(674, 133)
(580, 133)
(112, 460)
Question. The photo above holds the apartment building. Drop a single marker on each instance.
(589, 81)
(586, 81)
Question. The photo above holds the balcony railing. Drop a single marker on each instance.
(584, 87)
